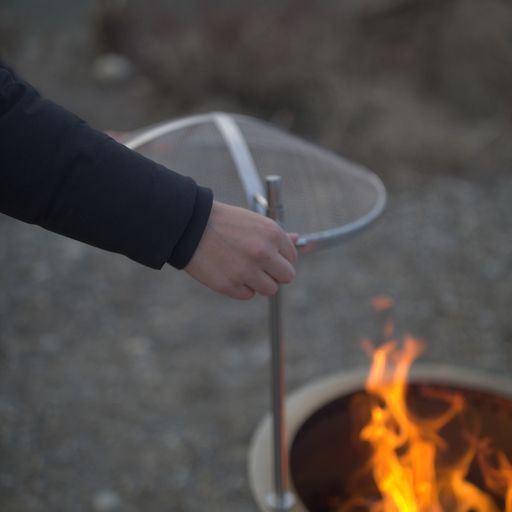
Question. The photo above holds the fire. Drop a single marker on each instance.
(408, 459)
(497, 471)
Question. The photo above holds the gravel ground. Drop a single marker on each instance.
(123, 388)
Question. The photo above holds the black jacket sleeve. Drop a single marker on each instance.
(59, 173)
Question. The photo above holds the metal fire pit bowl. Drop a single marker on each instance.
(324, 451)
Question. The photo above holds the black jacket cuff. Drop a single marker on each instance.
(187, 244)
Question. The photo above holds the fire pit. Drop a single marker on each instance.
(329, 460)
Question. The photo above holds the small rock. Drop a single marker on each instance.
(138, 346)
(106, 500)
(50, 343)
(112, 67)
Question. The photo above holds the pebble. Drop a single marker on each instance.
(106, 500)
(112, 67)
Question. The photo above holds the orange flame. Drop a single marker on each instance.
(497, 471)
(406, 449)
(382, 302)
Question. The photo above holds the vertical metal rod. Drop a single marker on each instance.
(281, 500)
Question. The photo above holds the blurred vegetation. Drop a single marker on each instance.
(392, 83)
(436, 73)
(8, 33)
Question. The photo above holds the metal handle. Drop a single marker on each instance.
(281, 500)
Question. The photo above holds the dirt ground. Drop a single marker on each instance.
(127, 389)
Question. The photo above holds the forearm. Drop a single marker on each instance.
(61, 174)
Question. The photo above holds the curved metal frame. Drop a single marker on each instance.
(244, 162)
(252, 183)
(334, 236)
(153, 132)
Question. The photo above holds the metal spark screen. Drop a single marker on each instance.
(326, 197)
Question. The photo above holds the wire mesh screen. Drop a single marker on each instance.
(321, 190)
(200, 152)
(325, 196)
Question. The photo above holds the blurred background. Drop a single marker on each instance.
(122, 388)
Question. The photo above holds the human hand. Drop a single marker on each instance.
(242, 253)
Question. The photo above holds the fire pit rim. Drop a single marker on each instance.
(307, 399)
